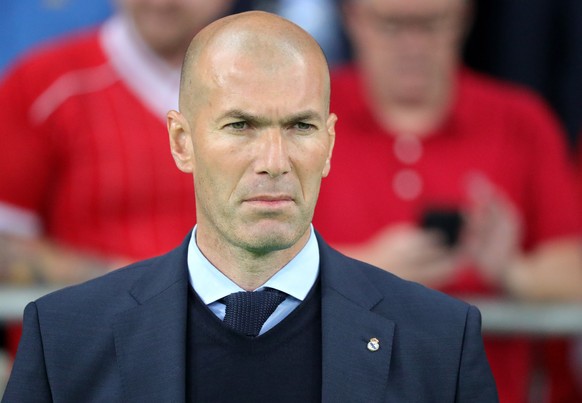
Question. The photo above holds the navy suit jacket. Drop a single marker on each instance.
(121, 338)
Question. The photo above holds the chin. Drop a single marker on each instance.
(265, 240)
(412, 91)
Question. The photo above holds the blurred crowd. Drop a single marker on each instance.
(456, 163)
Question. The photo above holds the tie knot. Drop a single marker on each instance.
(247, 311)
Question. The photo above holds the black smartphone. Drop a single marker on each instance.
(449, 221)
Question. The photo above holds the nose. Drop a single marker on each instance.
(273, 158)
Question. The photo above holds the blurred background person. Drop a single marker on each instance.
(446, 177)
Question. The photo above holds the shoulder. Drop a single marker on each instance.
(411, 297)
(426, 323)
(397, 298)
(106, 294)
(423, 317)
(40, 68)
(80, 49)
(51, 75)
(509, 112)
(122, 288)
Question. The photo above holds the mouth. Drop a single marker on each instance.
(269, 201)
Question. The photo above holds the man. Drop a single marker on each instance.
(255, 131)
(427, 144)
(80, 195)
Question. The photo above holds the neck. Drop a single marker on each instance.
(173, 57)
(414, 114)
(412, 119)
(248, 269)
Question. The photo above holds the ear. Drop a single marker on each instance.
(331, 121)
(180, 141)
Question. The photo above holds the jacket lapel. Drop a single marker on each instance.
(351, 371)
(150, 339)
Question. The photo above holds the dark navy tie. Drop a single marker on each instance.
(247, 311)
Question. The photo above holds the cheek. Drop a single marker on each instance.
(216, 175)
(311, 168)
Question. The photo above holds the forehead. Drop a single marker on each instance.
(267, 80)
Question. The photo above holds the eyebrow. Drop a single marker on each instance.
(307, 115)
(241, 115)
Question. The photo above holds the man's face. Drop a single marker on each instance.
(261, 143)
(406, 46)
(167, 26)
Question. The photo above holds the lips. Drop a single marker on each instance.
(269, 198)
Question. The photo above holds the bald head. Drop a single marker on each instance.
(257, 38)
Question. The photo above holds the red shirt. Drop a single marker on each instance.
(493, 129)
(84, 154)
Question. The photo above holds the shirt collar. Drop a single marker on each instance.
(295, 279)
(153, 80)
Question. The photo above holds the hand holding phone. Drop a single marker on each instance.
(449, 221)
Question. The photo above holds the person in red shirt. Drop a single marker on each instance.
(424, 144)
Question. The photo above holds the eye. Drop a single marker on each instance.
(241, 125)
(302, 126)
